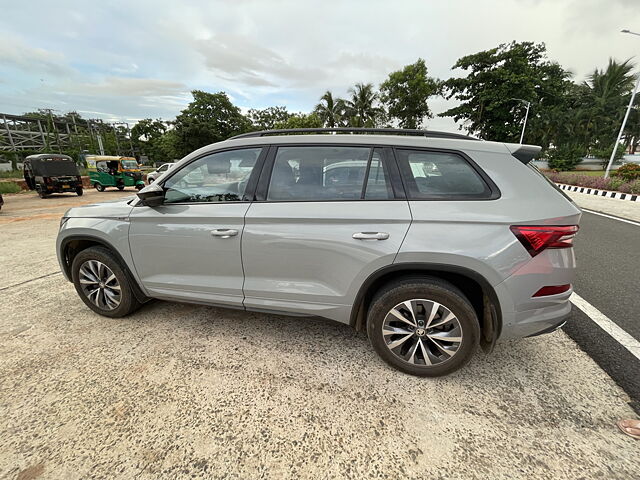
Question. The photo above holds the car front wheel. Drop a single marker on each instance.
(423, 326)
(102, 283)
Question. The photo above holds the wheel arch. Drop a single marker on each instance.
(475, 286)
(74, 244)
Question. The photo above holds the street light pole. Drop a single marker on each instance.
(626, 116)
(526, 116)
(524, 125)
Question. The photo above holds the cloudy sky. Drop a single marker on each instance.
(126, 60)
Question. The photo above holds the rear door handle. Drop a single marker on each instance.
(371, 235)
(224, 232)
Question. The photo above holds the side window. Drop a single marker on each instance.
(327, 173)
(102, 167)
(163, 168)
(439, 175)
(219, 177)
(378, 186)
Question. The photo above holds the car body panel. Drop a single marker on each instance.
(301, 256)
(106, 222)
(206, 265)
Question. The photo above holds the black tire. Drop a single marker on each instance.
(99, 187)
(149, 180)
(120, 187)
(127, 302)
(139, 187)
(42, 194)
(429, 288)
(79, 191)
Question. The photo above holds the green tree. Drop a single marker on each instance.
(266, 119)
(362, 108)
(495, 79)
(209, 118)
(331, 110)
(301, 120)
(405, 94)
(606, 99)
(146, 136)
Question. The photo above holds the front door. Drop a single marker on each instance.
(330, 218)
(189, 247)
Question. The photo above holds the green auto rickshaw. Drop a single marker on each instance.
(109, 171)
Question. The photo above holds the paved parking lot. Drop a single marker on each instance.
(189, 391)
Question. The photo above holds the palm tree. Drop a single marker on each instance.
(331, 110)
(607, 97)
(362, 108)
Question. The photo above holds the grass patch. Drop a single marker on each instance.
(590, 173)
(9, 187)
(11, 174)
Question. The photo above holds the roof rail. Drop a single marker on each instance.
(379, 131)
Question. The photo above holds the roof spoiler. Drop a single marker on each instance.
(524, 153)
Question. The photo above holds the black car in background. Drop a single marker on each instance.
(48, 173)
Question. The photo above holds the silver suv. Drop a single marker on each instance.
(433, 243)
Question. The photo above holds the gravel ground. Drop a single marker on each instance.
(181, 391)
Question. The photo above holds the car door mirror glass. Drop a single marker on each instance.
(151, 195)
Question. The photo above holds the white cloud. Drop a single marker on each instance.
(14, 53)
(129, 87)
(140, 59)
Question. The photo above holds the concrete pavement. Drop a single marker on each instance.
(187, 391)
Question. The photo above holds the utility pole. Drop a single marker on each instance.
(626, 116)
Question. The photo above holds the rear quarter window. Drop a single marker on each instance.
(431, 175)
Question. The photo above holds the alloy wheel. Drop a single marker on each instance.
(100, 285)
(422, 332)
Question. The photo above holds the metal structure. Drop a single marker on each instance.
(49, 133)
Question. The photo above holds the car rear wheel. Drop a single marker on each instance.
(79, 191)
(102, 283)
(423, 326)
(120, 187)
(99, 187)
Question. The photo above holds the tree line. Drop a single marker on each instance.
(568, 119)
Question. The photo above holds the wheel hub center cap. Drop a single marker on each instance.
(101, 284)
(420, 332)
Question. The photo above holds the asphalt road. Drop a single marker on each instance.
(608, 255)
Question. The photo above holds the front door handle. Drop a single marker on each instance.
(224, 232)
(371, 235)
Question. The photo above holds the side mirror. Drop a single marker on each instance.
(151, 195)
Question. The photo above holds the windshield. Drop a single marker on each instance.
(51, 167)
(129, 164)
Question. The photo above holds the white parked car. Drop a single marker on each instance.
(151, 177)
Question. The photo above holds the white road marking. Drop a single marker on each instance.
(611, 216)
(618, 334)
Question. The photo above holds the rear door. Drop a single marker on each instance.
(326, 217)
(189, 247)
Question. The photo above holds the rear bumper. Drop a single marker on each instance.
(537, 322)
(523, 314)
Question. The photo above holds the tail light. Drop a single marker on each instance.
(537, 238)
(552, 290)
